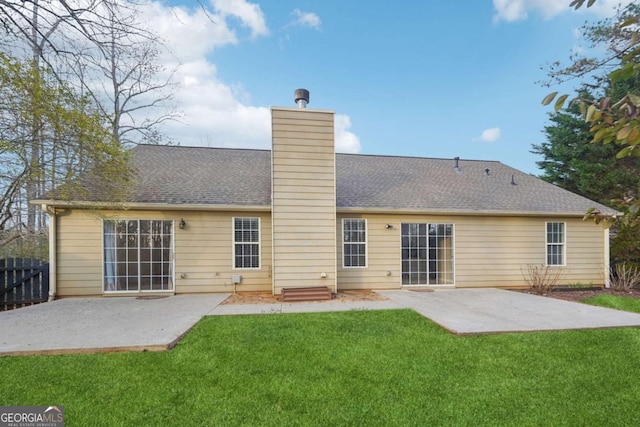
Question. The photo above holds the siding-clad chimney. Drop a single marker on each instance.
(303, 198)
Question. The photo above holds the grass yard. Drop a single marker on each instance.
(349, 368)
(615, 301)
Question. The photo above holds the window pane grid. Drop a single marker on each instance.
(354, 242)
(246, 242)
(138, 255)
(427, 254)
(555, 243)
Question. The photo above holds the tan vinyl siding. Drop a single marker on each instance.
(383, 255)
(494, 251)
(488, 251)
(203, 251)
(303, 198)
(79, 257)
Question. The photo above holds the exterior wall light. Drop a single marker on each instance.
(182, 224)
(388, 226)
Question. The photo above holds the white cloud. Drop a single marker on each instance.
(490, 135)
(516, 10)
(249, 14)
(509, 10)
(305, 19)
(346, 141)
(214, 112)
(300, 19)
(189, 33)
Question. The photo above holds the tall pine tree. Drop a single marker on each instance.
(573, 162)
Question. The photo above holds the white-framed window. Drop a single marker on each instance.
(556, 243)
(354, 243)
(138, 255)
(246, 243)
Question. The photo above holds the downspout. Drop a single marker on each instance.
(53, 243)
(607, 254)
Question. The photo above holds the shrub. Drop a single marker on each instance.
(624, 277)
(624, 246)
(541, 278)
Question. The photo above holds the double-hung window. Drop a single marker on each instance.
(556, 243)
(246, 243)
(354, 242)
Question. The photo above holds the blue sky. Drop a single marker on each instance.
(431, 79)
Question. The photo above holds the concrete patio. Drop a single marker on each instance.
(488, 310)
(93, 325)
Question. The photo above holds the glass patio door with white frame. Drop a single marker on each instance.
(427, 254)
(138, 255)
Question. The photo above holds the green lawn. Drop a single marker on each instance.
(348, 368)
(615, 301)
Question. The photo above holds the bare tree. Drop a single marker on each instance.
(100, 48)
(104, 47)
(38, 21)
(121, 71)
(40, 27)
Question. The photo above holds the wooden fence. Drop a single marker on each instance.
(23, 281)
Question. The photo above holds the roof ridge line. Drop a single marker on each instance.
(200, 147)
(398, 156)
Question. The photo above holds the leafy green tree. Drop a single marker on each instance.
(609, 40)
(624, 247)
(572, 162)
(74, 142)
(593, 146)
(103, 49)
(613, 116)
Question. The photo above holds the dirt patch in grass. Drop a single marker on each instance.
(368, 295)
(581, 294)
(267, 298)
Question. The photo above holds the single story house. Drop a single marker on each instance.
(300, 215)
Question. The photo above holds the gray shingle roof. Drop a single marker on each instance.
(221, 176)
(198, 175)
(435, 185)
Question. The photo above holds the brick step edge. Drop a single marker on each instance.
(306, 294)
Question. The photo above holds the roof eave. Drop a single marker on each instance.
(152, 206)
(267, 208)
(465, 212)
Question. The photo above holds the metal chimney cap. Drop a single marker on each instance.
(301, 97)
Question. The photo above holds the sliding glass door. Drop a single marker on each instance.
(138, 255)
(427, 254)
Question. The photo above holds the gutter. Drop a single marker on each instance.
(53, 244)
(153, 206)
(460, 212)
(267, 208)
